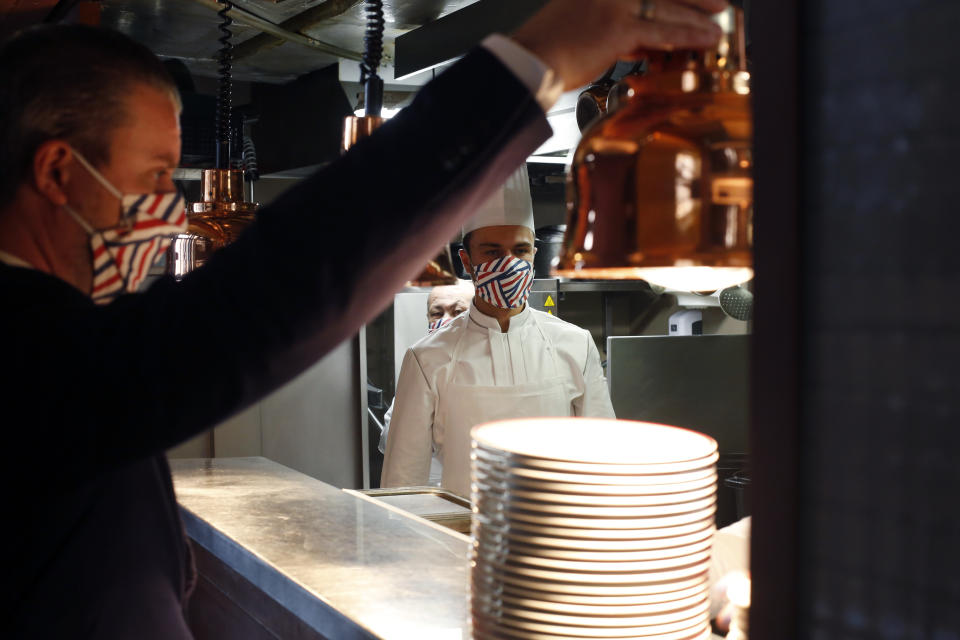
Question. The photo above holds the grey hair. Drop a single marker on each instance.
(67, 82)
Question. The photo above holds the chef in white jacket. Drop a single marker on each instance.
(499, 360)
(444, 303)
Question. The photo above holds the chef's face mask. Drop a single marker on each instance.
(122, 255)
(504, 282)
(436, 324)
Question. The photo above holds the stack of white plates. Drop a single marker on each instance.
(591, 528)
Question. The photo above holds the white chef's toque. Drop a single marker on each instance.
(510, 205)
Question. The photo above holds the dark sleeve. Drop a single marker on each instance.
(107, 384)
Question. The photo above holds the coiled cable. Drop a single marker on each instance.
(372, 39)
(250, 171)
(372, 55)
(224, 114)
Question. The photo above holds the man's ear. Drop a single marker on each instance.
(53, 167)
(465, 259)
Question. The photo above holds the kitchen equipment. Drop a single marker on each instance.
(687, 322)
(661, 188)
(605, 93)
(222, 213)
(549, 242)
(430, 503)
(356, 128)
(591, 528)
(439, 270)
(214, 222)
(736, 302)
(698, 382)
(592, 101)
(739, 482)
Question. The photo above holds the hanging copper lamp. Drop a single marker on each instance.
(438, 271)
(661, 189)
(222, 213)
(217, 220)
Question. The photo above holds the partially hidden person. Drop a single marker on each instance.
(444, 303)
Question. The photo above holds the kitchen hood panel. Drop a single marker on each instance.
(188, 30)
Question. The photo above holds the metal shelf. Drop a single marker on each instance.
(602, 286)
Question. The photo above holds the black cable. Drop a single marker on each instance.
(224, 130)
(250, 171)
(372, 54)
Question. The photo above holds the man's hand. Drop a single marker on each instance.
(578, 39)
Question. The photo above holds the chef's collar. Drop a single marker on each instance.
(489, 322)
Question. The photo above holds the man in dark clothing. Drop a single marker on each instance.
(94, 383)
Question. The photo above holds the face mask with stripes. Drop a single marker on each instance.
(437, 324)
(504, 282)
(123, 255)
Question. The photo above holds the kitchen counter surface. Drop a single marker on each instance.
(347, 567)
(344, 565)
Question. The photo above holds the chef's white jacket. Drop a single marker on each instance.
(488, 358)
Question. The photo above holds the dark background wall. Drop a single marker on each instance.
(874, 323)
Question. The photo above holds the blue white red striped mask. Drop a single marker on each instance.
(504, 282)
(436, 324)
(123, 255)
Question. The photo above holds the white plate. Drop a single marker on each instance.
(505, 514)
(509, 546)
(492, 567)
(556, 496)
(549, 598)
(513, 501)
(497, 505)
(619, 569)
(516, 634)
(486, 579)
(557, 470)
(509, 460)
(655, 613)
(599, 491)
(497, 608)
(550, 531)
(487, 630)
(631, 480)
(647, 546)
(489, 479)
(691, 626)
(595, 440)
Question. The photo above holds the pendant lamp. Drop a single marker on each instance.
(661, 187)
(222, 214)
(438, 271)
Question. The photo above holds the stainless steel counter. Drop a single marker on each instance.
(347, 567)
(344, 565)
